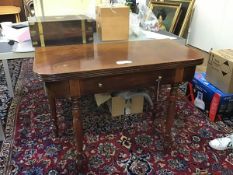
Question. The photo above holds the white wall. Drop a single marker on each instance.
(64, 7)
(212, 25)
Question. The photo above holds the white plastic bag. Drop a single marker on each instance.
(147, 18)
(134, 28)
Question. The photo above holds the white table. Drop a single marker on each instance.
(7, 53)
(5, 56)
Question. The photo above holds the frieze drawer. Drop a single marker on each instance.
(123, 82)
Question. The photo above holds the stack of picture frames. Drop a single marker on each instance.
(177, 14)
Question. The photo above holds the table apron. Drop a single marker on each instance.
(78, 87)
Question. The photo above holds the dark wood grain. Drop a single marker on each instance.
(76, 60)
(124, 82)
(61, 30)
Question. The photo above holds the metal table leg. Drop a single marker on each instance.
(2, 136)
(8, 78)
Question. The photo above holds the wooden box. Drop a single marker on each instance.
(112, 22)
(61, 30)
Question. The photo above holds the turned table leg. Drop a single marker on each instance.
(170, 114)
(52, 105)
(78, 134)
(77, 124)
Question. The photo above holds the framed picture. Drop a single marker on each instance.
(168, 11)
(186, 11)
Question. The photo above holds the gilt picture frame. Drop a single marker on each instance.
(172, 11)
(183, 22)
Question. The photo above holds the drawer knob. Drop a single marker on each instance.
(100, 85)
(159, 78)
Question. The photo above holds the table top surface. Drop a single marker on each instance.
(104, 57)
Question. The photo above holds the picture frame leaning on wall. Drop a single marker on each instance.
(171, 11)
(185, 15)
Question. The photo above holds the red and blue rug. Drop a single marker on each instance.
(5, 100)
(129, 144)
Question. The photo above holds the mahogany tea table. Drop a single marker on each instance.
(75, 70)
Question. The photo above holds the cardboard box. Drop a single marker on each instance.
(112, 22)
(120, 106)
(220, 69)
(210, 99)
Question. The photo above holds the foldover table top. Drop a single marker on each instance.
(93, 59)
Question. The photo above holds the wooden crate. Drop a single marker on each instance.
(112, 22)
(61, 30)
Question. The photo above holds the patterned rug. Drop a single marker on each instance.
(129, 144)
(5, 100)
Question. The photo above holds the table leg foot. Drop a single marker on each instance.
(82, 163)
(77, 124)
(170, 117)
(52, 105)
(168, 143)
(78, 134)
(153, 109)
